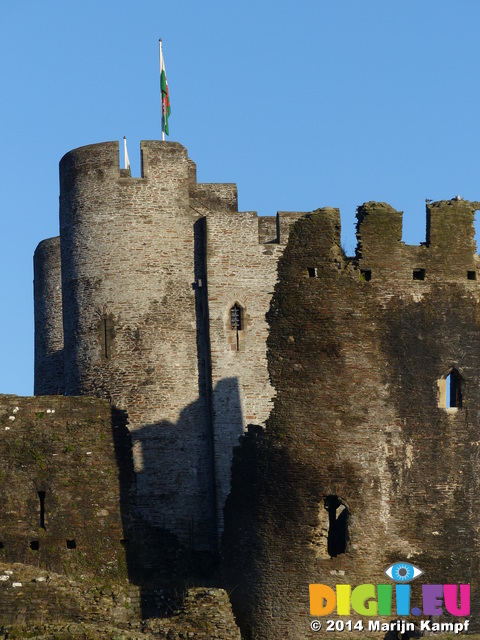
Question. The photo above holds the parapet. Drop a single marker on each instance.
(214, 197)
(102, 161)
(448, 252)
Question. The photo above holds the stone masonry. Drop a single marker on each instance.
(150, 269)
(366, 459)
(362, 439)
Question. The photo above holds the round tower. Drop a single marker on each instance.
(47, 286)
(130, 319)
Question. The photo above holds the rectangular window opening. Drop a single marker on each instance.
(419, 274)
(34, 545)
(71, 544)
(471, 275)
(312, 272)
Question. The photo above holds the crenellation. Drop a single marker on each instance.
(379, 232)
(267, 230)
(285, 220)
(215, 197)
(163, 160)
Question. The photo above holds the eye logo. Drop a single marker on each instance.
(403, 572)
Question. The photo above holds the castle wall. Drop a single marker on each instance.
(130, 326)
(61, 495)
(48, 318)
(359, 421)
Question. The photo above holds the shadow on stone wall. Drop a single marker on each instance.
(170, 540)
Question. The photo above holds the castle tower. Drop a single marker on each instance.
(165, 290)
(48, 318)
(130, 326)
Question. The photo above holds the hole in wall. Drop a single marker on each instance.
(2, 545)
(366, 274)
(71, 544)
(418, 274)
(34, 545)
(338, 516)
(312, 272)
(471, 275)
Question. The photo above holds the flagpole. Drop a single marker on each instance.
(161, 95)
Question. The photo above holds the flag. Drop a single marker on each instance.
(165, 95)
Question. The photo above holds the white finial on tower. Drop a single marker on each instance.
(127, 161)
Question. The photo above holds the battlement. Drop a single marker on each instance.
(448, 254)
(103, 160)
(449, 251)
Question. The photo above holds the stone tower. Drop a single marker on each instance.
(154, 297)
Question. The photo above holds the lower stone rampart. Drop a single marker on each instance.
(75, 561)
(61, 495)
(35, 603)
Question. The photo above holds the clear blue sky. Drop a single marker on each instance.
(306, 104)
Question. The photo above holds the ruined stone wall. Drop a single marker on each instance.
(47, 287)
(130, 322)
(42, 604)
(61, 496)
(358, 352)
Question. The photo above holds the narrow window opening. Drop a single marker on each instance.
(107, 335)
(41, 497)
(471, 275)
(312, 272)
(34, 545)
(476, 229)
(419, 274)
(450, 389)
(366, 274)
(236, 323)
(71, 544)
(453, 390)
(105, 338)
(2, 546)
(338, 515)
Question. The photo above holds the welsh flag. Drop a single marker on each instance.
(166, 110)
